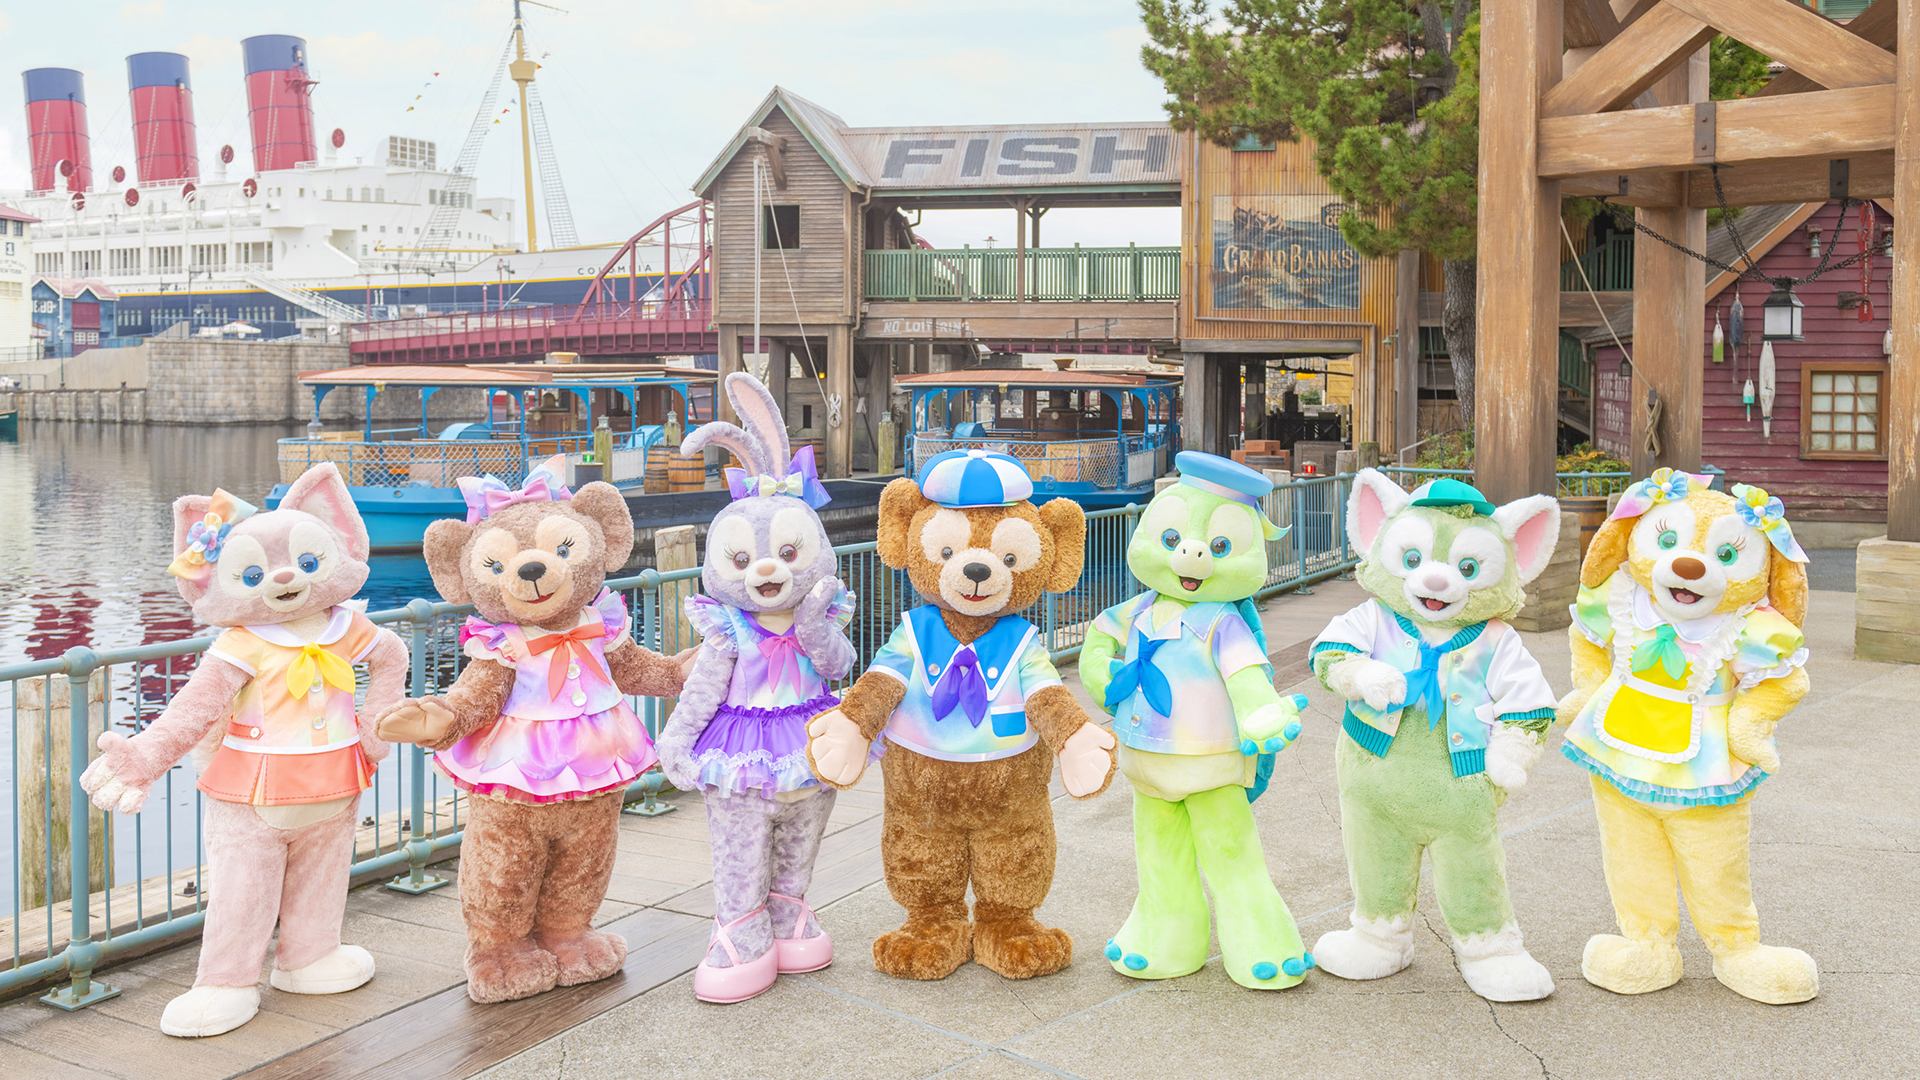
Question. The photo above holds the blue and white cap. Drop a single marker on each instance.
(959, 479)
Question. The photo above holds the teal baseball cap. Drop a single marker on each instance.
(1447, 491)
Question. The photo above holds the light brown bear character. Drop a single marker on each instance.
(536, 728)
(974, 714)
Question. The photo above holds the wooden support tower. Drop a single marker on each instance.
(1591, 97)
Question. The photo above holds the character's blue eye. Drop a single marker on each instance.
(496, 566)
(1728, 553)
(1469, 568)
(1668, 539)
(564, 549)
(1170, 538)
(1410, 560)
(252, 575)
(307, 563)
(1221, 546)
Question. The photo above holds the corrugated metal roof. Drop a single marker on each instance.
(8, 213)
(72, 287)
(981, 156)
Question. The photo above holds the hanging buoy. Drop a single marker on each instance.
(1886, 342)
(1766, 390)
(1738, 333)
(1719, 340)
(1746, 398)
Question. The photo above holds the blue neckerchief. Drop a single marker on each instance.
(1423, 683)
(1140, 673)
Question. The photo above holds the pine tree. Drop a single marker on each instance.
(1388, 90)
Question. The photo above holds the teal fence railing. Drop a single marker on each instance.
(141, 877)
(1609, 267)
(1075, 273)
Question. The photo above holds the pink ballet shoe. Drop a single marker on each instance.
(798, 954)
(726, 985)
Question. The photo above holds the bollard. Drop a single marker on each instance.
(419, 847)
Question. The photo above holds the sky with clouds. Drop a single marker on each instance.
(640, 94)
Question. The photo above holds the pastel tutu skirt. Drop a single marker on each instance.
(540, 761)
(763, 751)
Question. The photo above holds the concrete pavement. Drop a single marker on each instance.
(1835, 842)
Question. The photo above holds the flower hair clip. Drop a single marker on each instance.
(1664, 486)
(206, 537)
(1769, 515)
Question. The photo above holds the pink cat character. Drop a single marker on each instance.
(282, 753)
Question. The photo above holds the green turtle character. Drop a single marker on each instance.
(1198, 720)
(1445, 713)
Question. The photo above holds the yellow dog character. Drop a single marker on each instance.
(1686, 651)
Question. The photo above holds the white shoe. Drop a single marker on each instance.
(210, 1010)
(1373, 949)
(1498, 967)
(346, 968)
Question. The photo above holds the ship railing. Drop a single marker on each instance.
(141, 879)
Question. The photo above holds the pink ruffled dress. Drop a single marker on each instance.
(566, 731)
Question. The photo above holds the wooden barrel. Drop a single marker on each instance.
(1593, 514)
(687, 474)
(659, 458)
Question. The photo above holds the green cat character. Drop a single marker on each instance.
(1445, 568)
(1198, 721)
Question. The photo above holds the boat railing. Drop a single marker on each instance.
(1106, 462)
(141, 878)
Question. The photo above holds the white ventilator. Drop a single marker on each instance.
(1766, 390)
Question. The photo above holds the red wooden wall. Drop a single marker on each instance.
(1814, 490)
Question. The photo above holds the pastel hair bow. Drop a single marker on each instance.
(488, 495)
(1664, 486)
(1769, 515)
(802, 482)
(206, 537)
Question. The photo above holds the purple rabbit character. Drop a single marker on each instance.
(774, 618)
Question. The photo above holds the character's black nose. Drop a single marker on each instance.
(977, 571)
(533, 571)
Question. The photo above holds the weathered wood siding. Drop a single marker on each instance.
(818, 268)
(1813, 489)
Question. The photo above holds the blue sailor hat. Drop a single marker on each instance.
(1230, 480)
(959, 479)
(1446, 491)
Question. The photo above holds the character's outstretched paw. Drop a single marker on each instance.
(585, 955)
(1369, 949)
(1012, 943)
(509, 971)
(929, 945)
(1498, 967)
(1768, 973)
(1630, 965)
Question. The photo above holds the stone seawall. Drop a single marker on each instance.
(99, 406)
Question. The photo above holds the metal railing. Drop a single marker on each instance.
(141, 878)
(1567, 484)
(1075, 273)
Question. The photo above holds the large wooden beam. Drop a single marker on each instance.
(1517, 354)
(1869, 176)
(1822, 123)
(1589, 23)
(1903, 368)
(1640, 56)
(1805, 42)
(1669, 299)
(1876, 24)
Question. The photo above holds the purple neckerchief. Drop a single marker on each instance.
(782, 653)
(961, 686)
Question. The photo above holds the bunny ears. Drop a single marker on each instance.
(762, 445)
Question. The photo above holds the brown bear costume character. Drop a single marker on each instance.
(974, 714)
(536, 729)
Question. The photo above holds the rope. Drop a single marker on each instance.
(832, 400)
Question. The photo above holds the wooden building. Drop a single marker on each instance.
(1824, 473)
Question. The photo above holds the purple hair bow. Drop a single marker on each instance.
(802, 482)
(488, 495)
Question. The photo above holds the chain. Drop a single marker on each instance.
(1752, 271)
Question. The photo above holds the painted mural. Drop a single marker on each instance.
(1282, 252)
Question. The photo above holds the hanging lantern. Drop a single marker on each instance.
(1781, 316)
(1719, 341)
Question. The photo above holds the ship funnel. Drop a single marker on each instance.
(164, 143)
(278, 109)
(57, 130)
